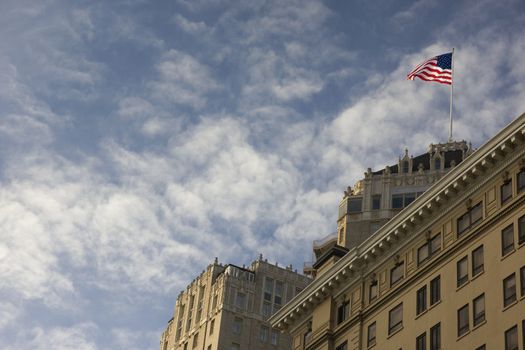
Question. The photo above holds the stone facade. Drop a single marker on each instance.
(447, 272)
(227, 307)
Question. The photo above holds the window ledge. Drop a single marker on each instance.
(479, 274)
(510, 305)
(421, 313)
(463, 335)
(479, 325)
(434, 305)
(395, 332)
(508, 254)
(371, 345)
(463, 285)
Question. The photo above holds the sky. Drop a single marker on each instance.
(139, 139)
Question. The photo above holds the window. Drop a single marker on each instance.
(421, 342)
(342, 346)
(522, 281)
(405, 167)
(397, 273)
(435, 337)
(523, 332)
(372, 292)
(342, 311)
(263, 334)
(355, 205)
(521, 230)
(397, 201)
(482, 347)
(428, 249)
(237, 325)
(376, 202)
(395, 319)
(278, 293)
(506, 191)
(511, 338)
(371, 337)
(437, 164)
(401, 200)
(507, 240)
(463, 324)
(195, 340)
(521, 180)
(266, 309)
(235, 346)
(307, 336)
(478, 310)
(409, 198)
(509, 290)
(470, 218)
(477, 261)
(268, 289)
(212, 326)
(240, 301)
(435, 290)
(186, 346)
(275, 337)
(462, 272)
(421, 300)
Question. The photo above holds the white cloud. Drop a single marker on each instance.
(77, 337)
(182, 80)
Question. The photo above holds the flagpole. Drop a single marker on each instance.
(451, 97)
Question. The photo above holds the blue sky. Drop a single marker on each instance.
(140, 139)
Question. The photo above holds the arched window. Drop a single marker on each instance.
(437, 163)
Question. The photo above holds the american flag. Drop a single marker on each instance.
(438, 69)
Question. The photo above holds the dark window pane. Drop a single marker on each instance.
(462, 271)
(511, 338)
(435, 290)
(409, 198)
(506, 191)
(463, 223)
(421, 300)
(435, 244)
(376, 202)
(397, 273)
(405, 167)
(521, 230)
(463, 325)
(476, 214)
(509, 290)
(342, 346)
(373, 290)
(478, 306)
(507, 240)
(422, 253)
(355, 205)
(482, 347)
(435, 337)
(477, 261)
(371, 334)
(395, 318)
(521, 180)
(397, 201)
(421, 342)
(522, 281)
(342, 312)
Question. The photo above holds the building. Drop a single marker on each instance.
(447, 272)
(381, 195)
(227, 307)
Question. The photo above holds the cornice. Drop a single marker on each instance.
(432, 202)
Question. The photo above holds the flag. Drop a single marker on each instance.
(438, 69)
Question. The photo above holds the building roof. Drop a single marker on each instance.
(452, 186)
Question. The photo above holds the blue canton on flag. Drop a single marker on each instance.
(438, 69)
